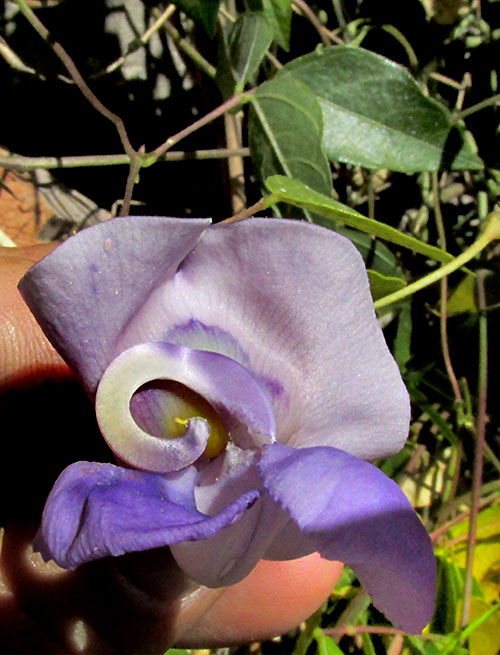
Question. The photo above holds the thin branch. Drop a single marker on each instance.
(135, 167)
(18, 162)
(205, 120)
(142, 41)
(304, 9)
(443, 529)
(186, 47)
(76, 76)
(443, 315)
(490, 233)
(247, 212)
(489, 102)
(353, 630)
(477, 474)
(403, 41)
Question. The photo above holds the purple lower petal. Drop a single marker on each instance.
(95, 510)
(353, 513)
(241, 402)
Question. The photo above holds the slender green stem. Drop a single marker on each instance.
(135, 167)
(477, 474)
(247, 212)
(443, 529)
(306, 11)
(18, 162)
(371, 194)
(489, 102)
(204, 120)
(401, 38)
(358, 604)
(134, 45)
(443, 315)
(353, 630)
(337, 8)
(184, 45)
(491, 232)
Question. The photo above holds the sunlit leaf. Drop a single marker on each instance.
(402, 341)
(463, 298)
(487, 551)
(295, 192)
(242, 47)
(376, 255)
(383, 285)
(449, 596)
(285, 130)
(326, 645)
(203, 12)
(279, 17)
(376, 116)
(484, 640)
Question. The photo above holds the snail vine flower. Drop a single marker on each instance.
(243, 383)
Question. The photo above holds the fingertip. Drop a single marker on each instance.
(26, 356)
(272, 600)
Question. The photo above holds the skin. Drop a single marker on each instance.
(140, 602)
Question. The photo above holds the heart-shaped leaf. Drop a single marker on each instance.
(284, 134)
(376, 116)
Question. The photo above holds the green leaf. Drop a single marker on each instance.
(203, 12)
(326, 645)
(463, 298)
(376, 116)
(448, 598)
(242, 48)
(296, 193)
(284, 134)
(279, 17)
(402, 340)
(486, 567)
(485, 639)
(306, 635)
(376, 255)
(382, 285)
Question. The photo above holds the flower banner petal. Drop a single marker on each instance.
(95, 510)
(353, 513)
(232, 390)
(296, 298)
(85, 292)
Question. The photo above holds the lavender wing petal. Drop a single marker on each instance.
(353, 513)
(95, 510)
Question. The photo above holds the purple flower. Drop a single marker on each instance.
(239, 373)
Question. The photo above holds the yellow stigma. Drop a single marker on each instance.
(191, 405)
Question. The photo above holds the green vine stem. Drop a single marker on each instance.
(490, 233)
(489, 102)
(443, 313)
(477, 474)
(184, 45)
(239, 98)
(21, 163)
(133, 176)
